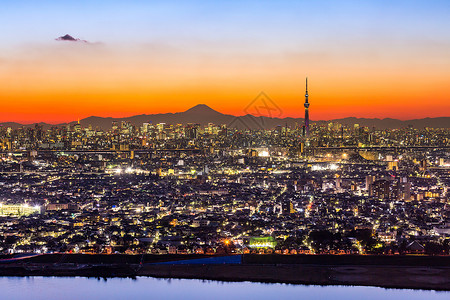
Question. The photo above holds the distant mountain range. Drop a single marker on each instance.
(203, 114)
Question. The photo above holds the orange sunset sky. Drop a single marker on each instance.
(364, 60)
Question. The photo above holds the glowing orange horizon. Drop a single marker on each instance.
(61, 84)
(126, 58)
(60, 106)
(56, 109)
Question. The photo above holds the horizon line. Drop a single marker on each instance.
(202, 104)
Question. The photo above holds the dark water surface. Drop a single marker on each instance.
(68, 288)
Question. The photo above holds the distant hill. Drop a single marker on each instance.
(441, 122)
(203, 114)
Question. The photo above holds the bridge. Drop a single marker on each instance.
(102, 151)
(199, 150)
(378, 148)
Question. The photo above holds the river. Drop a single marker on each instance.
(68, 288)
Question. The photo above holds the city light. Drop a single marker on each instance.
(300, 143)
(263, 154)
(256, 187)
(324, 167)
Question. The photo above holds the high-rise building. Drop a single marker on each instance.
(406, 189)
(77, 127)
(191, 131)
(306, 111)
(370, 179)
(287, 207)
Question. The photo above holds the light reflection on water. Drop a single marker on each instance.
(68, 288)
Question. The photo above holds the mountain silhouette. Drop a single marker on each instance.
(203, 114)
(202, 109)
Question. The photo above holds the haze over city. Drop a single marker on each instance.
(60, 61)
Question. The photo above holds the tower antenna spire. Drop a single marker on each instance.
(306, 105)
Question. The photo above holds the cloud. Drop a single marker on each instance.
(70, 38)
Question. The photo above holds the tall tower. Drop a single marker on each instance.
(306, 111)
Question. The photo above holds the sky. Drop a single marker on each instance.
(374, 59)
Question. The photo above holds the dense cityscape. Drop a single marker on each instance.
(225, 150)
(323, 188)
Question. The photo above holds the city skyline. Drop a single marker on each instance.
(256, 117)
(373, 59)
(276, 145)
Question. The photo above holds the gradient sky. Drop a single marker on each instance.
(362, 58)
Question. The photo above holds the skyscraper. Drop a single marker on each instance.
(306, 111)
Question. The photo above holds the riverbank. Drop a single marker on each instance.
(412, 272)
(433, 278)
